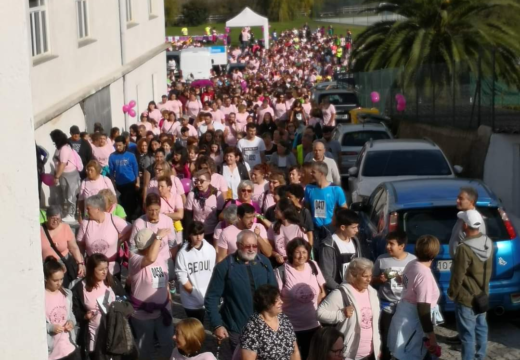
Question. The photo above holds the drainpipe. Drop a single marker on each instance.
(122, 43)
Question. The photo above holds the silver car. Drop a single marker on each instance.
(352, 137)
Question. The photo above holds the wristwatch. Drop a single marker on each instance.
(158, 237)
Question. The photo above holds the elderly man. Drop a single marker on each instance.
(319, 153)
(235, 280)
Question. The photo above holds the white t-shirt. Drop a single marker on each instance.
(251, 150)
(216, 126)
(345, 247)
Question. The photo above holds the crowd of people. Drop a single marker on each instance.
(229, 197)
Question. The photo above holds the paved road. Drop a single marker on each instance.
(504, 337)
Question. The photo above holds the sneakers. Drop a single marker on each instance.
(69, 219)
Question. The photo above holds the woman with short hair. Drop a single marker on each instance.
(189, 337)
(163, 168)
(417, 312)
(326, 344)
(56, 235)
(227, 217)
(66, 175)
(112, 207)
(269, 334)
(91, 298)
(217, 181)
(234, 170)
(354, 307)
(92, 184)
(301, 285)
(171, 206)
(102, 232)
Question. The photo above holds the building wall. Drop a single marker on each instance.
(22, 321)
(502, 170)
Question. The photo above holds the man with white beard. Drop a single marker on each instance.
(235, 280)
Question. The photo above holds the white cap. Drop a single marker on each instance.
(144, 238)
(472, 218)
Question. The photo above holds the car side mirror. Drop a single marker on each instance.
(353, 171)
(458, 169)
(359, 207)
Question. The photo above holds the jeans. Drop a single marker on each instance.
(473, 332)
(146, 333)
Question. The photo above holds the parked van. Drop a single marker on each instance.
(196, 63)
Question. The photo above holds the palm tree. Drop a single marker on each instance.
(454, 33)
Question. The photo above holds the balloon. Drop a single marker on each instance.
(399, 97)
(132, 104)
(228, 29)
(131, 112)
(47, 179)
(126, 108)
(186, 184)
(374, 95)
(401, 106)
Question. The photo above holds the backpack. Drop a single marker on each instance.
(282, 274)
(119, 340)
(76, 160)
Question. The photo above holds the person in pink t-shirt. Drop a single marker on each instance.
(189, 337)
(280, 108)
(154, 112)
(329, 112)
(170, 124)
(58, 312)
(217, 181)
(228, 108)
(287, 227)
(231, 131)
(93, 183)
(301, 286)
(241, 118)
(171, 205)
(203, 203)
(193, 106)
(175, 105)
(227, 243)
(103, 232)
(264, 109)
(144, 121)
(216, 114)
(150, 297)
(261, 185)
(101, 150)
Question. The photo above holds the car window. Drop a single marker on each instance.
(359, 159)
(439, 221)
(405, 163)
(359, 138)
(341, 98)
(377, 211)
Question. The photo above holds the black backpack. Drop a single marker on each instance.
(119, 339)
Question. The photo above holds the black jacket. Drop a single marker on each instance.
(83, 338)
(85, 153)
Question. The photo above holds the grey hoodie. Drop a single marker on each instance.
(481, 245)
(458, 236)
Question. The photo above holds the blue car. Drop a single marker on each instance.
(420, 207)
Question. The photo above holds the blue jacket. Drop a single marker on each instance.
(231, 281)
(123, 167)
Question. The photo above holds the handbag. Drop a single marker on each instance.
(71, 266)
(480, 302)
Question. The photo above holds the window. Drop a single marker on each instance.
(38, 21)
(341, 99)
(82, 13)
(406, 163)
(129, 11)
(359, 138)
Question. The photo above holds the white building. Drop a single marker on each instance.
(89, 58)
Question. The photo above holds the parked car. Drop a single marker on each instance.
(340, 96)
(352, 137)
(396, 159)
(420, 207)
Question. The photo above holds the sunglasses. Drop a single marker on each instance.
(199, 181)
(247, 190)
(249, 247)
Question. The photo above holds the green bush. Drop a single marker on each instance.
(195, 12)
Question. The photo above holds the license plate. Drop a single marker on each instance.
(444, 265)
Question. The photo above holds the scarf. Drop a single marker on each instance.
(201, 197)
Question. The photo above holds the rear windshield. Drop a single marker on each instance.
(405, 163)
(361, 137)
(341, 99)
(439, 221)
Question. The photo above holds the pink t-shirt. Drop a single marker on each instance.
(175, 106)
(231, 136)
(64, 155)
(218, 182)
(287, 233)
(207, 214)
(101, 154)
(204, 356)
(300, 296)
(103, 237)
(307, 107)
(228, 238)
(228, 110)
(89, 188)
(419, 285)
(266, 201)
(60, 236)
(56, 313)
(167, 242)
(262, 112)
(191, 131)
(365, 341)
(327, 115)
(177, 188)
(171, 204)
(156, 115)
(164, 106)
(147, 125)
(149, 284)
(259, 190)
(93, 300)
(279, 110)
(241, 120)
(218, 116)
(193, 108)
(169, 127)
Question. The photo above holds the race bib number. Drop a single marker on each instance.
(158, 277)
(320, 210)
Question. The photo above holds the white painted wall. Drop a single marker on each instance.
(22, 319)
(502, 170)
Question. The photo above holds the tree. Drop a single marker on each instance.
(195, 12)
(454, 33)
(171, 11)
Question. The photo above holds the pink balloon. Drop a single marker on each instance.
(47, 179)
(186, 184)
(374, 95)
(132, 104)
(399, 97)
(131, 112)
(401, 106)
(126, 108)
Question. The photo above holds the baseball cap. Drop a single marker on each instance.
(144, 238)
(472, 218)
(74, 130)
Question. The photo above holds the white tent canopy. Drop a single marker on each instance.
(249, 18)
